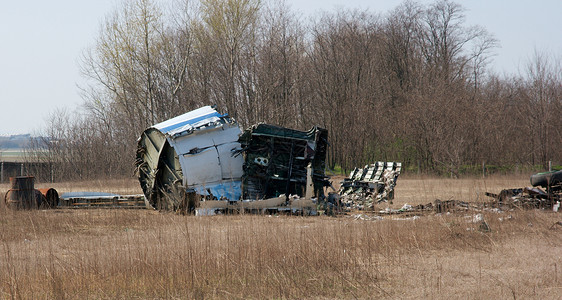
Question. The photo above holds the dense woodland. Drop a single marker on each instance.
(410, 85)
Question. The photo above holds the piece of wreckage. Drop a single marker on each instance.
(369, 185)
(545, 193)
(202, 161)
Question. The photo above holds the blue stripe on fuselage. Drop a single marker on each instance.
(190, 121)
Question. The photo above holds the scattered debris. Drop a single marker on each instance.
(509, 217)
(23, 194)
(365, 217)
(405, 208)
(100, 200)
(484, 227)
(437, 207)
(449, 205)
(534, 197)
(475, 218)
(295, 205)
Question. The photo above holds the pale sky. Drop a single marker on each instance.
(41, 43)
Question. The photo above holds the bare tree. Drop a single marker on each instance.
(411, 86)
(280, 53)
(228, 28)
(541, 108)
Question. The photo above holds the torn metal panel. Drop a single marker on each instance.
(193, 151)
(276, 161)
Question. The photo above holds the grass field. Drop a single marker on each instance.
(124, 254)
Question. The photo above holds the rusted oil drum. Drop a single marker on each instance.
(49, 197)
(22, 194)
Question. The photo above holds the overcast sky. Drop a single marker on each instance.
(41, 42)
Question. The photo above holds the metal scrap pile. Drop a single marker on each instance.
(23, 194)
(437, 206)
(370, 185)
(545, 193)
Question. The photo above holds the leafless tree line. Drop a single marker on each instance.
(412, 85)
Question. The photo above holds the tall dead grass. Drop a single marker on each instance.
(143, 254)
(124, 254)
(414, 190)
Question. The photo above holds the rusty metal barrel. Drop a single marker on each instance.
(49, 197)
(22, 194)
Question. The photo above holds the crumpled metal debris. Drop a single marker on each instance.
(533, 197)
(276, 161)
(438, 207)
(521, 197)
(369, 185)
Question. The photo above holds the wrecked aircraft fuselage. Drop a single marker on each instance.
(204, 156)
(276, 160)
(193, 152)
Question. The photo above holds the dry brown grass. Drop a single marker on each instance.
(127, 254)
(423, 190)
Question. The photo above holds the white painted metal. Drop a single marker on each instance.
(205, 142)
